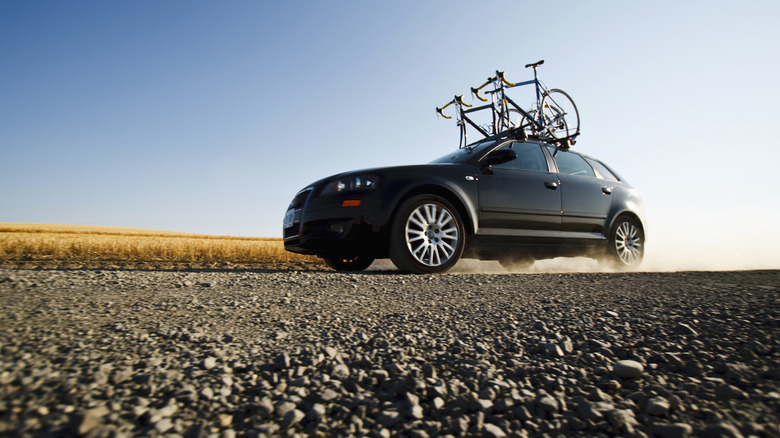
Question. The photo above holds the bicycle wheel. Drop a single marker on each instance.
(528, 125)
(514, 119)
(561, 118)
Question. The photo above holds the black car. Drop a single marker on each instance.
(507, 197)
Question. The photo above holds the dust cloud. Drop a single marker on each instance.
(675, 242)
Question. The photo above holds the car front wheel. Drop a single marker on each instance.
(626, 243)
(427, 235)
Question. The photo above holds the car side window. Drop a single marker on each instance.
(602, 170)
(529, 157)
(572, 164)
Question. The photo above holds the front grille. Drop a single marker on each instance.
(292, 231)
(300, 199)
(297, 206)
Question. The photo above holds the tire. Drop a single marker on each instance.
(625, 249)
(348, 263)
(560, 114)
(514, 119)
(427, 235)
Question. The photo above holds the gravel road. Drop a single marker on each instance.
(249, 353)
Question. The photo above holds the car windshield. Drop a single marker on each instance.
(464, 154)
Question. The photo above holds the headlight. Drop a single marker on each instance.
(351, 184)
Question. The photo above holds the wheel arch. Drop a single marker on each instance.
(627, 202)
(630, 214)
(465, 210)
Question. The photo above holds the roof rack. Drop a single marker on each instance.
(522, 135)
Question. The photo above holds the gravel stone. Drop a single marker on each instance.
(658, 406)
(491, 430)
(628, 369)
(676, 430)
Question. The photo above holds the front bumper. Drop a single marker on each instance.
(322, 226)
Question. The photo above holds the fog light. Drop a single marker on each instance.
(350, 203)
(337, 228)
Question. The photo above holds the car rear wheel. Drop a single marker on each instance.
(427, 235)
(626, 243)
(348, 263)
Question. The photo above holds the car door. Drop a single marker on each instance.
(520, 198)
(585, 199)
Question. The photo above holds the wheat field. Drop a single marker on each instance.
(86, 246)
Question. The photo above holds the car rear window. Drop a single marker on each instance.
(572, 164)
(602, 170)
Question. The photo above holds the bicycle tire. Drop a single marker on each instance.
(529, 125)
(560, 114)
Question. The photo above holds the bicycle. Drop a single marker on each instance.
(554, 115)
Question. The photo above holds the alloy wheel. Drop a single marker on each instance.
(431, 234)
(628, 243)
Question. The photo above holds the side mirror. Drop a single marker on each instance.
(500, 156)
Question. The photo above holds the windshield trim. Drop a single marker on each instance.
(463, 155)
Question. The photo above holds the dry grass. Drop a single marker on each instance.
(75, 246)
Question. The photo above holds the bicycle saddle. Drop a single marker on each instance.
(536, 64)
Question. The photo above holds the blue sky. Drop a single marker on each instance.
(208, 117)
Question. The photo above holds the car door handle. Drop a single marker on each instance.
(552, 185)
(606, 190)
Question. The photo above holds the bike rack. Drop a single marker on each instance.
(534, 122)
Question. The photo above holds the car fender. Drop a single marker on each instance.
(458, 184)
(626, 201)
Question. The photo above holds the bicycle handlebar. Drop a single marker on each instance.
(500, 75)
(475, 91)
(439, 110)
(458, 99)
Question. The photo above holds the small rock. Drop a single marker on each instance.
(553, 350)
(685, 330)
(676, 430)
(225, 420)
(282, 361)
(340, 371)
(481, 405)
(657, 406)
(628, 369)
(596, 394)
(722, 430)
(283, 408)
(163, 425)
(388, 418)
(316, 412)
(292, 418)
(209, 363)
(90, 419)
(265, 407)
(429, 371)
(328, 395)
(418, 433)
(727, 391)
(622, 419)
(491, 430)
(588, 411)
(547, 403)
